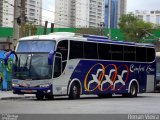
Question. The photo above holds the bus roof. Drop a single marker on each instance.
(92, 38)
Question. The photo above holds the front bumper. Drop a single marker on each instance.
(32, 90)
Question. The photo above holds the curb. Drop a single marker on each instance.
(18, 97)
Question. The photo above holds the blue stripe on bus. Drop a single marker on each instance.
(95, 37)
(119, 42)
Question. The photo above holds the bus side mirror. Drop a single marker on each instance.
(50, 57)
(8, 54)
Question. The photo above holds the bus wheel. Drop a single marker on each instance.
(133, 90)
(105, 95)
(74, 91)
(39, 96)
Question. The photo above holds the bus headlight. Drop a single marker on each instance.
(15, 85)
(45, 85)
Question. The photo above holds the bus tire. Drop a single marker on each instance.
(105, 95)
(133, 90)
(40, 96)
(74, 91)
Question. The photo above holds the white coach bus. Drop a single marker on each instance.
(68, 64)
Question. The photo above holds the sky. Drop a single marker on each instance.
(132, 5)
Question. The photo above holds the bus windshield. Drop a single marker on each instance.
(35, 46)
(32, 60)
(32, 66)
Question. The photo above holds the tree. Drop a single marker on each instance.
(133, 28)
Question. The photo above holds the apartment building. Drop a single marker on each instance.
(79, 13)
(33, 12)
(6, 13)
(152, 16)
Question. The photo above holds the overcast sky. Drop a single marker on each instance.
(143, 5)
(132, 5)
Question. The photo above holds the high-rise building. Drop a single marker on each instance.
(6, 13)
(33, 12)
(79, 13)
(113, 11)
(152, 16)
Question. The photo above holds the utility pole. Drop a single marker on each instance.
(16, 26)
(52, 27)
(45, 28)
(109, 18)
(23, 18)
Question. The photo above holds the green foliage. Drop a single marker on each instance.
(133, 28)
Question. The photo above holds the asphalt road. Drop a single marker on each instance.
(145, 103)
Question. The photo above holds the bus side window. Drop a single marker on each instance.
(76, 49)
(117, 52)
(129, 53)
(62, 48)
(104, 51)
(90, 50)
(150, 54)
(141, 54)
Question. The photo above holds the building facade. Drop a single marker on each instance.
(33, 12)
(79, 13)
(113, 11)
(149, 16)
(6, 13)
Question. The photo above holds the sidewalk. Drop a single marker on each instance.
(5, 95)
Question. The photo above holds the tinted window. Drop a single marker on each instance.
(63, 49)
(141, 54)
(104, 51)
(129, 53)
(57, 66)
(117, 52)
(90, 50)
(150, 54)
(76, 49)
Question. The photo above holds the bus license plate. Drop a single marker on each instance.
(28, 91)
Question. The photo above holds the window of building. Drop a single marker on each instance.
(148, 18)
